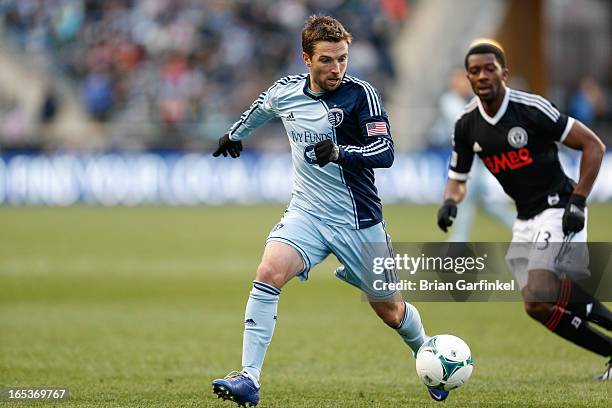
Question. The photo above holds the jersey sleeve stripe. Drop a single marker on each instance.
(535, 98)
(372, 149)
(369, 100)
(245, 116)
(568, 128)
(374, 95)
(543, 102)
(290, 79)
(453, 175)
(372, 146)
(537, 105)
(351, 79)
(539, 98)
(536, 101)
(375, 152)
(373, 100)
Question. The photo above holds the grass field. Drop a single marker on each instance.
(143, 307)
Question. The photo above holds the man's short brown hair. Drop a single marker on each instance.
(322, 28)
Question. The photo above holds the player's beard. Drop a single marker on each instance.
(327, 86)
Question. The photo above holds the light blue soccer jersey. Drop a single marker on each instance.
(352, 116)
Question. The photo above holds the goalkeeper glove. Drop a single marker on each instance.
(326, 151)
(228, 146)
(446, 214)
(573, 217)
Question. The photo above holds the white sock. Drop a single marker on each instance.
(259, 323)
(411, 329)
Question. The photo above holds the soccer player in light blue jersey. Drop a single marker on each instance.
(338, 133)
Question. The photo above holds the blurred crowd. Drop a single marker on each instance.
(177, 73)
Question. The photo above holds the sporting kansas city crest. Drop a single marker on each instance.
(335, 116)
(309, 155)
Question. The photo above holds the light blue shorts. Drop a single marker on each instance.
(355, 249)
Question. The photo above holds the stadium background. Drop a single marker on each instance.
(126, 252)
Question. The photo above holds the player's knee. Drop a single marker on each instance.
(542, 286)
(538, 311)
(270, 274)
(538, 293)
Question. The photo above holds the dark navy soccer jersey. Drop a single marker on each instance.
(518, 146)
(352, 116)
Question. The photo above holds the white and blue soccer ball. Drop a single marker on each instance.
(444, 362)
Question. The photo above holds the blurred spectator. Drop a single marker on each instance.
(184, 64)
(451, 105)
(50, 106)
(97, 94)
(587, 104)
(13, 125)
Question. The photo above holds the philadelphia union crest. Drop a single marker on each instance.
(335, 116)
(517, 137)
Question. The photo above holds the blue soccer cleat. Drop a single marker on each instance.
(237, 387)
(438, 395)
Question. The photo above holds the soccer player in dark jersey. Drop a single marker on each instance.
(515, 133)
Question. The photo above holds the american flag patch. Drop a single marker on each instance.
(377, 129)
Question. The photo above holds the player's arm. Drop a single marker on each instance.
(453, 194)
(584, 139)
(260, 111)
(455, 190)
(461, 160)
(378, 152)
(564, 129)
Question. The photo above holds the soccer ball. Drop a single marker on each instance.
(444, 362)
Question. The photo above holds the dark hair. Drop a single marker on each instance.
(322, 28)
(486, 48)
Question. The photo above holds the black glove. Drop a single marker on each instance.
(573, 217)
(326, 151)
(228, 146)
(446, 214)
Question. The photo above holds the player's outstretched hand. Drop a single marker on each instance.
(446, 214)
(228, 146)
(573, 217)
(326, 151)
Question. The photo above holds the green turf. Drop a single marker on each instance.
(143, 307)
